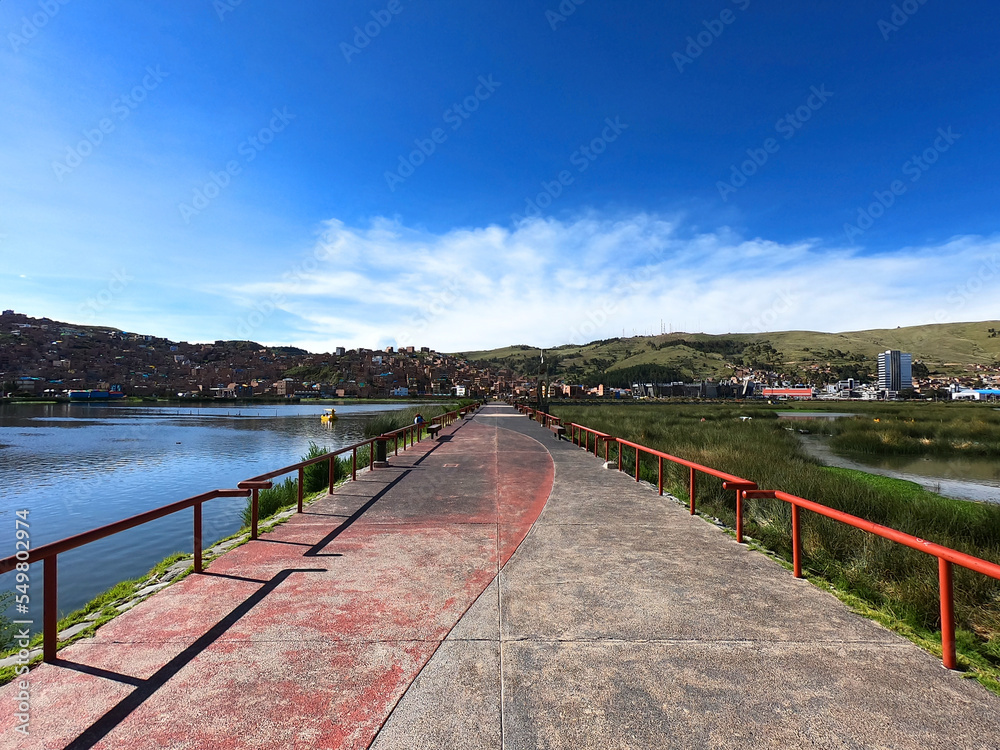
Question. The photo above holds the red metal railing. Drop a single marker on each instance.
(541, 417)
(945, 555)
(729, 481)
(48, 553)
(580, 435)
(745, 489)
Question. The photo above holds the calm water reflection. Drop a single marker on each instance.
(77, 466)
(962, 478)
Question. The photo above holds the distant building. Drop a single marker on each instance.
(798, 393)
(895, 370)
(340, 351)
(979, 394)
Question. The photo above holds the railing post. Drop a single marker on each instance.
(947, 615)
(197, 537)
(691, 487)
(637, 464)
(606, 450)
(302, 481)
(354, 463)
(619, 455)
(796, 542)
(253, 512)
(659, 474)
(395, 444)
(330, 467)
(371, 455)
(739, 516)
(50, 610)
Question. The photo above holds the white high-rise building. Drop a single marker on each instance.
(895, 370)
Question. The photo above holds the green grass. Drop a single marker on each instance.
(899, 582)
(947, 348)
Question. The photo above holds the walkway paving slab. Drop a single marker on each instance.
(624, 622)
(307, 637)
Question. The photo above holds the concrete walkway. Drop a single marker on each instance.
(624, 622)
(419, 608)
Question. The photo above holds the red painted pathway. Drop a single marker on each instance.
(308, 637)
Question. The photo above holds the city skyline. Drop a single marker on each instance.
(381, 174)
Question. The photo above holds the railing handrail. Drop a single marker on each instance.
(347, 449)
(746, 489)
(731, 479)
(596, 433)
(309, 462)
(86, 537)
(887, 532)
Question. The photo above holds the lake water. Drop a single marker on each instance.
(79, 466)
(962, 478)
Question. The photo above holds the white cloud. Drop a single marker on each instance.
(549, 282)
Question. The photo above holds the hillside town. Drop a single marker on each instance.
(44, 358)
(896, 379)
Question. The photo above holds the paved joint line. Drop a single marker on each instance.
(707, 641)
(503, 723)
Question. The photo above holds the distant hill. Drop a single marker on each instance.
(945, 349)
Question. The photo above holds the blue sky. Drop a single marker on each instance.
(470, 175)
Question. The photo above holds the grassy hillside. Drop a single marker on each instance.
(947, 348)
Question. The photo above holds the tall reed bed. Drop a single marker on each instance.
(921, 429)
